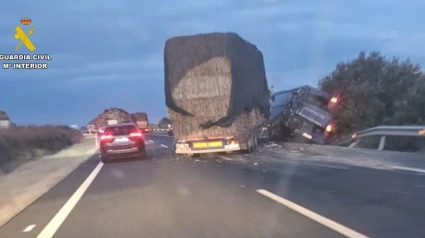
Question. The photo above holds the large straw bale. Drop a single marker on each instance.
(139, 116)
(212, 82)
(110, 114)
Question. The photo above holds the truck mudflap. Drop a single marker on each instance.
(207, 145)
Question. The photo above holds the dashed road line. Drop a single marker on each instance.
(408, 169)
(151, 141)
(29, 228)
(164, 146)
(54, 224)
(312, 215)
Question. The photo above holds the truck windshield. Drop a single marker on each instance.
(281, 99)
(317, 101)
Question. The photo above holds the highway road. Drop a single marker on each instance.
(227, 195)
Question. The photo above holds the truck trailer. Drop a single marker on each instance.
(141, 121)
(216, 92)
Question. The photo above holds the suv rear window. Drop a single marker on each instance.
(120, 130)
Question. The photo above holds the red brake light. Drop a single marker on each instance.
(106, 137)
(136, 134)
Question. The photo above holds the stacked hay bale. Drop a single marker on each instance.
(215, 85)
(110, 114)
(139, 116)
(140, 119)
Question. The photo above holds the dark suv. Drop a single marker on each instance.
(121, 140)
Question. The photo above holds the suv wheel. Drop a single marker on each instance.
(104, 157)
(142, 155)
(142, 152)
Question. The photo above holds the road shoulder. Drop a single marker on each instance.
(30, 181)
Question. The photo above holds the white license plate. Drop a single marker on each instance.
(121, 139)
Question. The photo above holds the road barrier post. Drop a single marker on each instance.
(382, 142)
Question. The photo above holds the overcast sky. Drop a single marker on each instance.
(109, 53)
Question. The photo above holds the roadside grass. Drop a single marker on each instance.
(20, 144)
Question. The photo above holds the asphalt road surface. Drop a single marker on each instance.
(225, 196)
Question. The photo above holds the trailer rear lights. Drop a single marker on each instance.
(183, 145)
(234, 142)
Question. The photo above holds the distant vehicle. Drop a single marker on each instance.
(170, 131)
(91, 128)
(121, 141)
(142, 125)
(141, 121)
(303, 113)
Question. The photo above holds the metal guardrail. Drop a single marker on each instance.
(383, 132)
(158, 131)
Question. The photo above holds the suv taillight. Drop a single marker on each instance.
(136, 135)
(106, 138)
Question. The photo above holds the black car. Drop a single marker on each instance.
(121, 141)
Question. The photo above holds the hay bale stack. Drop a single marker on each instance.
(139, 116)
(110, 114)
(212, 83)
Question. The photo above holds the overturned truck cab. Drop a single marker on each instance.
(301, 113)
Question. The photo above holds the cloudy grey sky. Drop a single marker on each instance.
(108, 53)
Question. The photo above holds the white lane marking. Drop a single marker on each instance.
(29, 228)
(312, 215)
(164, 146)
(151, 141)
(408, 169)
(63, 213)
(225, 158)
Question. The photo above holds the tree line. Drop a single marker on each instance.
(375, 90)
